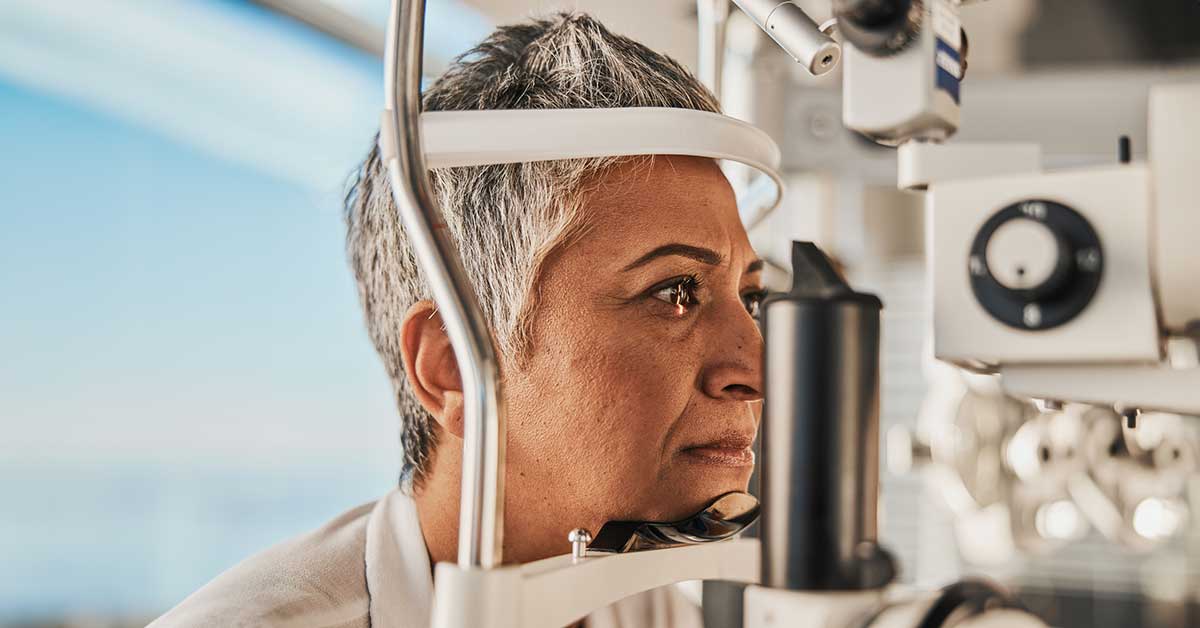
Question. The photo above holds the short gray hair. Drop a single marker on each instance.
(505, 218)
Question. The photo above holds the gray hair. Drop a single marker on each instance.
(506, 219)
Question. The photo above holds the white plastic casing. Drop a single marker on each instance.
(484, 137)
(897, 97)
(781, 608)
(558, 591)
(1174, 156)
(1119, 324)
(920, 164)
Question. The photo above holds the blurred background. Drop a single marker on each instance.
(185, 379)
(184, 375)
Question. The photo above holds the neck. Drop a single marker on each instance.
(437, 502)
(527, 538)
(437, 509)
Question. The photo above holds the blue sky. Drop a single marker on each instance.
(159, 298)
(184, 377)
(171, 264)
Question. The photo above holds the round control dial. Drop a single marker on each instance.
(1027, 255)
(1035, 264)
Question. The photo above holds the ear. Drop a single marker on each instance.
(430, 366)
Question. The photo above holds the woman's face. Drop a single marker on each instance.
(641, 393)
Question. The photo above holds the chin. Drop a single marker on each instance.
(692, 489)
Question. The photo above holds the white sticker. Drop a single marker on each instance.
(948, 62)
(946, 25)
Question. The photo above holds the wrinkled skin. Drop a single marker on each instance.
(641, 392)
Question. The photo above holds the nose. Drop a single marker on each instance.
(733, 369)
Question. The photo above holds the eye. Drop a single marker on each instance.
(753, 301)
(679, 292)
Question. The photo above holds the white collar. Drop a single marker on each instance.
(399, 578)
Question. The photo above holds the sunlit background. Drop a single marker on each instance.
(184, 375)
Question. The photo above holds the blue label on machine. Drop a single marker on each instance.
(949, 68)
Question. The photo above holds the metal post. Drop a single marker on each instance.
(481, 515)
(710, 17)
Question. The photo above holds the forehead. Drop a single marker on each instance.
(666, 197)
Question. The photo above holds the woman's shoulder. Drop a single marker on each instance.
(318, 576)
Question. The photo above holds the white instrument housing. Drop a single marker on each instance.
(1146, 218)
(910, 94)
(1174, 154)
(1115, 201)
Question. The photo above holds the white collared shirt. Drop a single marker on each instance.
(369, 568)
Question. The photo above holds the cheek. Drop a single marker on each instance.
(651, 377)
(607, 394)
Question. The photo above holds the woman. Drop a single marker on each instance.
(620, 293)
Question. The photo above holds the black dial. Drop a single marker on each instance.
(1035, 264)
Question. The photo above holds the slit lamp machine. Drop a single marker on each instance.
(1067, 286)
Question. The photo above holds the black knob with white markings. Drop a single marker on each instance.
(1035, 264)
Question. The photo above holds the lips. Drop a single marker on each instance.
(733, 449)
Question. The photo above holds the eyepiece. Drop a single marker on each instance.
(871, 13)
(879, 27)
(795, 32)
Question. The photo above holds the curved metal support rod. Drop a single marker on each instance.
(481, 514)
(711, 16)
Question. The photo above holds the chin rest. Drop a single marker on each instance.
(721, 519)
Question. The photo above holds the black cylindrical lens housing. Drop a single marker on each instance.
(820, 457)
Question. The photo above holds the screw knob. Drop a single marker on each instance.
(579, 539)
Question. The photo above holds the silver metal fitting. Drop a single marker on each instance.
(579, 539)
(795, 32)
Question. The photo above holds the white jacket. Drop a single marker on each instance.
(368, 568)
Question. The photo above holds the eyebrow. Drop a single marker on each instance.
(698, 253)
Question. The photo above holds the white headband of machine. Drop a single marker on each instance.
(477, 138)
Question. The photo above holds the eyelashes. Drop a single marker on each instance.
(752, 301)
(682, 295)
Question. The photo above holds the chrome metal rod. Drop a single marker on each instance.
(481, 515)
(710, 17)
(795, 32)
